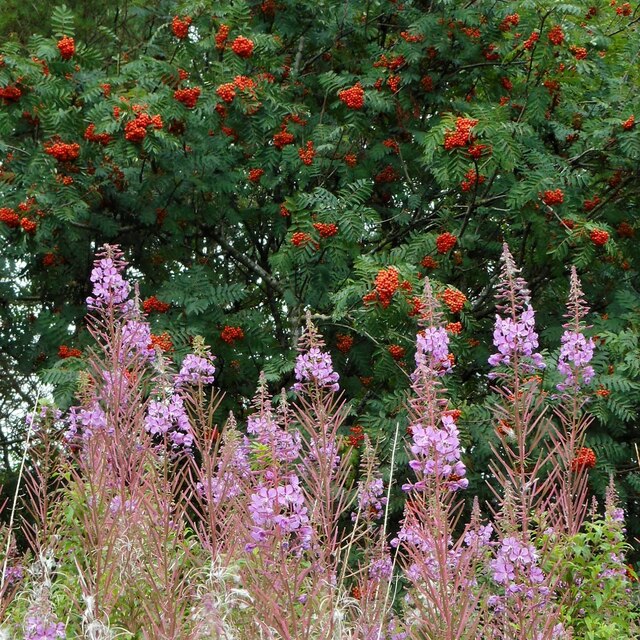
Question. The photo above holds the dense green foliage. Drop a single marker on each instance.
(206, 231)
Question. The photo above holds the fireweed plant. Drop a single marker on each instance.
(145, 518)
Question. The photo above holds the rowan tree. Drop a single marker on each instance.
(261, 160)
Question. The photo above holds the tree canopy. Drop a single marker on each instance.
(261, 160)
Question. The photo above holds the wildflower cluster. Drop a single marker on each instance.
(515, 336)
(315, 367)
(168, 418)
(196, 369)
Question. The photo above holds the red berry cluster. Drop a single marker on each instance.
(10, 94)
(476, 150)
(553, 197)
(101, 138)
(9, 217)
(471, 180)
(242, 47)
(625, 230)
(255, 175)
(629, 123)
(268, 7)
(454, 299)
(180, 27)
(472, 32)
(28, 225)
(307, 154)
(136, 129)
(221, 36)
(599, 237)
(530, 42)
(67, 47)
(387, 282)
(326, 230)
(392, 144)
(355, 439)
(393, 64)
(410, 38)
(162, 342)
(453, 413)
(300, 239)
(427, 83)
(344, 342)
(49, 260)
(509, 21)
(417, 306)
(244, 83)
(152, 304)
(188, 97)
(585, 459)
(461, 136)
(283, 138)
(396, 352)
(624, 10)
(62, 151)
(506, 83)
(226, 92)
(579, 53)
(284, 212)
(445, 242)
(68, 352)
(590, 205)
(556, 35)
(491, 54)
(231, 334)
(387, 175)
(353, 97)
(428, 262)
(351, 159)
(454, 327)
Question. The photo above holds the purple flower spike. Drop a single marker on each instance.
(316, 367)
(170, 417)
(109, 287)
(514, 336)
(437, 453)
(195, 370)
(576, 351)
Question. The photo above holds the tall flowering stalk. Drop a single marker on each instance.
(441, 569)
(569, 501)
(524, 606)
(521, 426)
